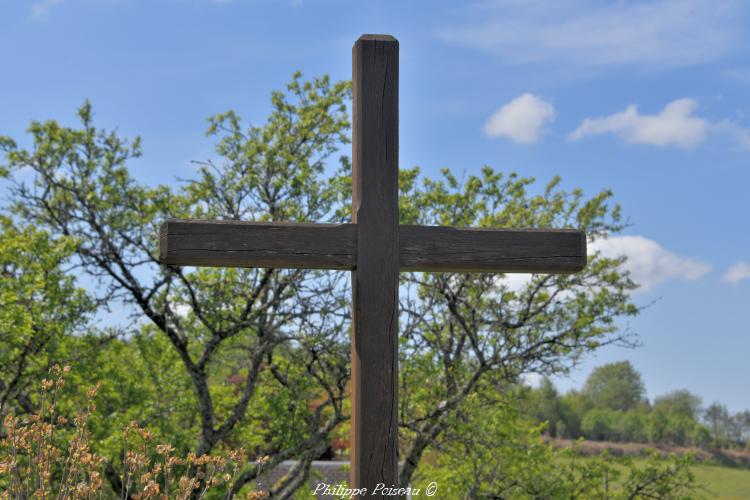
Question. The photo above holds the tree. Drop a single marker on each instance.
(460, 329)
(545, 406)
(741, 427)
(599, 424)
(615, 386)
(40, 307)
(494, 451)
(718, 419)
(575, 405)
(632, 427)
(491, 451)
(680, 402)
(265, 352)
(252, 325)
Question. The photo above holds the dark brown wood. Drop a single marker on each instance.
(334, 246)
(467, 250)
(257, 244)
(375, 248)
(374, 431)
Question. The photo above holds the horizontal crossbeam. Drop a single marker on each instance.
(468, 250)
(333, 246)
(187, 242)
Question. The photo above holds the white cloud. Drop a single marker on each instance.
(520, 120)
(593, 33)
(737, 134)
(40, 10)
(675, 125)
(648, 262)
(738, 272)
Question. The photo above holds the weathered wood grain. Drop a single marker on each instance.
(467, 250)
(334, 246)
(257, 244)
(374, 433)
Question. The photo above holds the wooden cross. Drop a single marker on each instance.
(374, 247)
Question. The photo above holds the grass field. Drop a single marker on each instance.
(729, 481)
(720, 482)
(724, 482)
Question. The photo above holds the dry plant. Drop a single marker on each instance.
(44, 456)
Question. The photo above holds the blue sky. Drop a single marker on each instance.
(649, 99)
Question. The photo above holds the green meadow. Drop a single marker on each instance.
(724, 482)
(718, 481)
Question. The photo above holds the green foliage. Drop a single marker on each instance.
(657, 480)
(598, 424)
(489, 450)
(461, 330)
(680, 402)
(214, 355)
(41, 306)
(274, 172)
(493, 451)
(140, 380)
(544, 405)
(596, 413)
(631, 426)
(46, 455)
(616, 386)
(221, 357)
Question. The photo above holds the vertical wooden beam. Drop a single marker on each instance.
(375, 280)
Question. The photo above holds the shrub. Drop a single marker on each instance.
(598, 424)
(48, 455)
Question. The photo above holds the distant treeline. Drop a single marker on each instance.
(612, 406)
